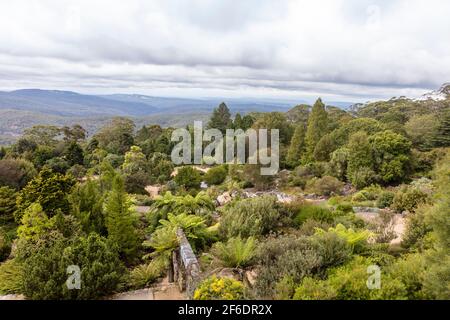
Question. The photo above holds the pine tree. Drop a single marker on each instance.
(317, 127)
(221, 118)
(297, 146)
(120, 220)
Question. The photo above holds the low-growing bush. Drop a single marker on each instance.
(315, 213)
(349, 282)
(326, 186)
(216, 175)
(408, 199)
(250, 217)
(215, 288)
(45, 271)
(385, 199)
(356, 239)
(344, 208)
(188, 177)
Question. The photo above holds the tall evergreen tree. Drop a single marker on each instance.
(317, 127)
(120, 220)
(221, 118)
(297, 146)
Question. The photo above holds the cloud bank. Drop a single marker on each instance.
(337, 49)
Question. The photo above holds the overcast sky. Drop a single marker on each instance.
(349, 50)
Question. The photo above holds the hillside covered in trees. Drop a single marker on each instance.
(311, 232)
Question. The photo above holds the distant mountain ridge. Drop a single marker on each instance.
(69, 103)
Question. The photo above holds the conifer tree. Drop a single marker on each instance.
(317, 127)
(221, 118)
(297, 146)
(120, 220)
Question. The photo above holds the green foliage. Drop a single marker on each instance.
(326, 186)
(311, 212)
(357, 240)
(275, 120)
(57, 164)
(410, 271)
(11, 274)
(188, 177)
(74, 154)
(281, 257)
(135, 161)
(332, 248)
(117, 136)
(221, 118)
(160, 167)
(45, 271)
(313, 289)
(349, 283)
(324, 148)
(120, 220)
(16, 173)
(49, 189)
(297, 146)
(338, 163)
(317, 127)
(385, 199)
(216, 175)
(391, 153)
(164, 239)
(43, 134)
(7, 204)
(252, 174)
(422, 130)
(250, 217)
(86, 202)
(236, 252)
(214, 288)
(359, 169)
(200, 205)
(145, 274)
(408, 199)
(34, 223)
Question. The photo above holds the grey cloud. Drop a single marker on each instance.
(353, 49)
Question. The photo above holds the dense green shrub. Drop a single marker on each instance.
(325, 186)
(385, 199)
(215, 288)
(250, 217)
(236, 252)
(216, 175)
(49, 189)
(408, 199)
(333, 249)
(315, 213)
(344, 208)
(45, 271)
(349, 282)
(188, 177)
